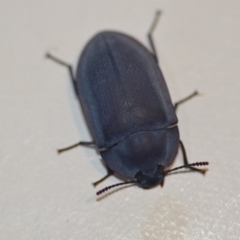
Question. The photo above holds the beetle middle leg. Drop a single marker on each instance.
(185, 99)
(86, 144)
(185, 160)
(48, 55)
(150, 38)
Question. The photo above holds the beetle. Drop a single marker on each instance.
(128, 109)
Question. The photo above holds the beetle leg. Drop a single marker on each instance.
(109, 173)
(48, 55)
(203, 171)
(86, 144)
(153, 26)
(185, 99)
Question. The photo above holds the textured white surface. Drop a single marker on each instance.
(46, 196)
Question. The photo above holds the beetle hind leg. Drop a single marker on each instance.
(53, 58)
(203, 171)
(109, 173)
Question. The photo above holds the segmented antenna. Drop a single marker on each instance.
(134, 181)
(112, 186)
(188, 165)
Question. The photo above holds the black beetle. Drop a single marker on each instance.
(128, 108)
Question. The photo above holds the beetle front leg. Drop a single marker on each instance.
(185, 160)
(86, 144)
(48, 55)
(109, 173)
(150, 38)
(185, 99)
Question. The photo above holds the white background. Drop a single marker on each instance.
(47, 196)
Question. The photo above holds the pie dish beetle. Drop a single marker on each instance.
(128, 109)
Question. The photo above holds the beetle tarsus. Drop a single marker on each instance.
(57, 60)
(87, 144)
(63, 63)
(109, 173)
(152, 28)
(185, 160)
(162, 183)
(196, 93)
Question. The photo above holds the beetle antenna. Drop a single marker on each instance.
(114, 185)
(188, 165)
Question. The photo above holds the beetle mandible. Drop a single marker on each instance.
(128, 109)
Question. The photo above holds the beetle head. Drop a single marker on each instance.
(150, 177)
